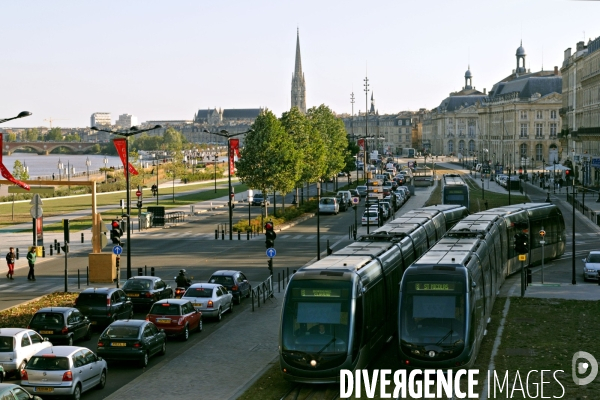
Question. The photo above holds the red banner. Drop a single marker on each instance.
(6, 173)
(361, 144)
(234, 154)
(121, 146)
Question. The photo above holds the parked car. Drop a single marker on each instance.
(145, 290)
(234, 281)
(329, 205)
(176, 317)
(64, 371)
(17, 346)
(11, 391)
(370, 217)
(406, 191)
(362, 191)
(259, 199)
(591, 265)
(133, 339)
(104, 305)
(61, 324)
(212, 299)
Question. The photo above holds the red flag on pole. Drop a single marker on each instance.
(121, 146)
(234, 154)
(6, 173)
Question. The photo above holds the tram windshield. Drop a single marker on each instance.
(433, 313)
(315, 319)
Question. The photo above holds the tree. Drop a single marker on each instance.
(11, 137)
(176, 168)
(31, 135)
(54, 135)
(173, 139)
(72, 138)
(351, 152)
(334, 136)
(19, 171)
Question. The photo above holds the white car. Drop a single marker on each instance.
(64, 371)
(329, 205)
(17, 346)
(211, 299)
(591, 265)
(370, 217)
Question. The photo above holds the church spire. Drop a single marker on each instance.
(298, 83)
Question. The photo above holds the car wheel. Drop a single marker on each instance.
(249, 291)
(21, 367)
(88, 333)
(238, 299)
(186, 333)
(200, 325)
(219, 315)
(231, 306)
(144, 360)
(131, 314)
(163, 349)
(76, 392)
(70, 341)
(102, 382)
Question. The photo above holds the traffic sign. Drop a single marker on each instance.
(542, 242)
(522, 257)
(117, 250)
(542, 233)
(356, 200)
(138, 193)
(271, 252)
(36, 212)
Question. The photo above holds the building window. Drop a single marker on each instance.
(523, 130)
(400, 122)
(523, 114)
(553, 130)
(539, 152)
(538, 114)
(450, 146)
(539, 132)
(553, 114)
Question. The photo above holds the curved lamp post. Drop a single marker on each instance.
(21, 115)
(59, 165)
(105, 169)
(88, 163)
(132, 131)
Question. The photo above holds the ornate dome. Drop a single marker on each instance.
(520, 50)
(468, 74)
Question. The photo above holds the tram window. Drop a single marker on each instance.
(319, 312)
(358, 327)
(433, 307)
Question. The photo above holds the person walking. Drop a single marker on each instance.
(31, 256)
(10, 261)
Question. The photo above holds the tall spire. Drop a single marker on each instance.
(298, 83)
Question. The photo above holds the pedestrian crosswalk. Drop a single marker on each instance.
(41, 285)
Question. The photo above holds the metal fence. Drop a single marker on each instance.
(264, 289)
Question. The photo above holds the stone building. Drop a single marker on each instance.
(101, 119)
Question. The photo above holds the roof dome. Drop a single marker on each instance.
(468, 74)
(520, 50)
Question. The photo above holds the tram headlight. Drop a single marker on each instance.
(431, 353)
(313, 363)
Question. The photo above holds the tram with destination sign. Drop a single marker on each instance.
(455, 190)
(447, 295)
(340, 311)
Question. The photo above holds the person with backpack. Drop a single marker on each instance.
(10, 262)
(31, 257)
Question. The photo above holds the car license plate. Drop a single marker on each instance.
(117, 344)
(163, 320)
(44, 389)
(94, 322)
(133, 294)
(46, 332)
(197, 304)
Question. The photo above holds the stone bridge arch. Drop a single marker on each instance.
(45, 148)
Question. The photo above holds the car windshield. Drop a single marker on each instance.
(48, 319)
(119, 331)
(48, 362)
(258, 196)
(198, 292)
(6, 343)
(327, 201)
(165, 309)
(91, 299)
(222, 280)
(594, 258)
(138, 284)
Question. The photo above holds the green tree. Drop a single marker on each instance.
(176, 169)
(146, 142)
(19, 171)
(54, 135)
(334, 136)
(351, 152)
(11, 137)
(173, 139)
(73, 138)
(31, 135)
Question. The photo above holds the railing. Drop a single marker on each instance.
(174, 217)
(266, 288)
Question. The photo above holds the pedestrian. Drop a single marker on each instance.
(10, 261)
(560, 184)
(53, 176)
(31, 256)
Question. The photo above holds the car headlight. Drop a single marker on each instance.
(591, 270)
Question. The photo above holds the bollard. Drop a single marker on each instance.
(278, 282)
(17, 253)
(145, 270)
(152, 271)
(87, 275)
(247, 235)
(43, 251)
(51, 248)
(55, 244)
(140, 271)
(223, 234)
(81, 237)
(252, 294)
(78, 281)
(329, 251)
(216, 234)
(239, 235)
(57, 250)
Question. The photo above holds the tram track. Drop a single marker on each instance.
(312, 392)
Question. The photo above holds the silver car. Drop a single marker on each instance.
(211, 299)
(11, 391)
(17, 346)
(591, 265)
(329, 205)
(64, 371)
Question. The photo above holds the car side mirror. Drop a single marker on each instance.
(230, 292)
(100, 359)
(245, 280)
(583, 259)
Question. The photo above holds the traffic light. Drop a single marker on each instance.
(521, 243)
(270, 266)
(115, 231)
(66, 235)
(270, 235)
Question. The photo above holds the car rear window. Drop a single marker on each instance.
(198, 292)
(6, 343)
(91, 299)
(126, 332)
(48, 363)
(165, 309)
(222, 280)
(138, 284)
(48, 319)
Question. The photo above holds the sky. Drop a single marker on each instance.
(164, 60)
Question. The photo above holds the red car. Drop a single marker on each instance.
(177, 317)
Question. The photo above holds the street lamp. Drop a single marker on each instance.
(21, 115)
(60, 167)
(132, 131)
(105, 169)
(573, 280)
(87, 164)
(215, 165)
(228, 136)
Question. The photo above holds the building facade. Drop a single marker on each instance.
(126, 121)
(101, 119)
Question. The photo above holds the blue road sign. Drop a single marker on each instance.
(117, 250)
(271, 252)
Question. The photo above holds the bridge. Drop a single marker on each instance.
(45, 148)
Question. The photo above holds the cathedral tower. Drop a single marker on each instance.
(298, 84)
